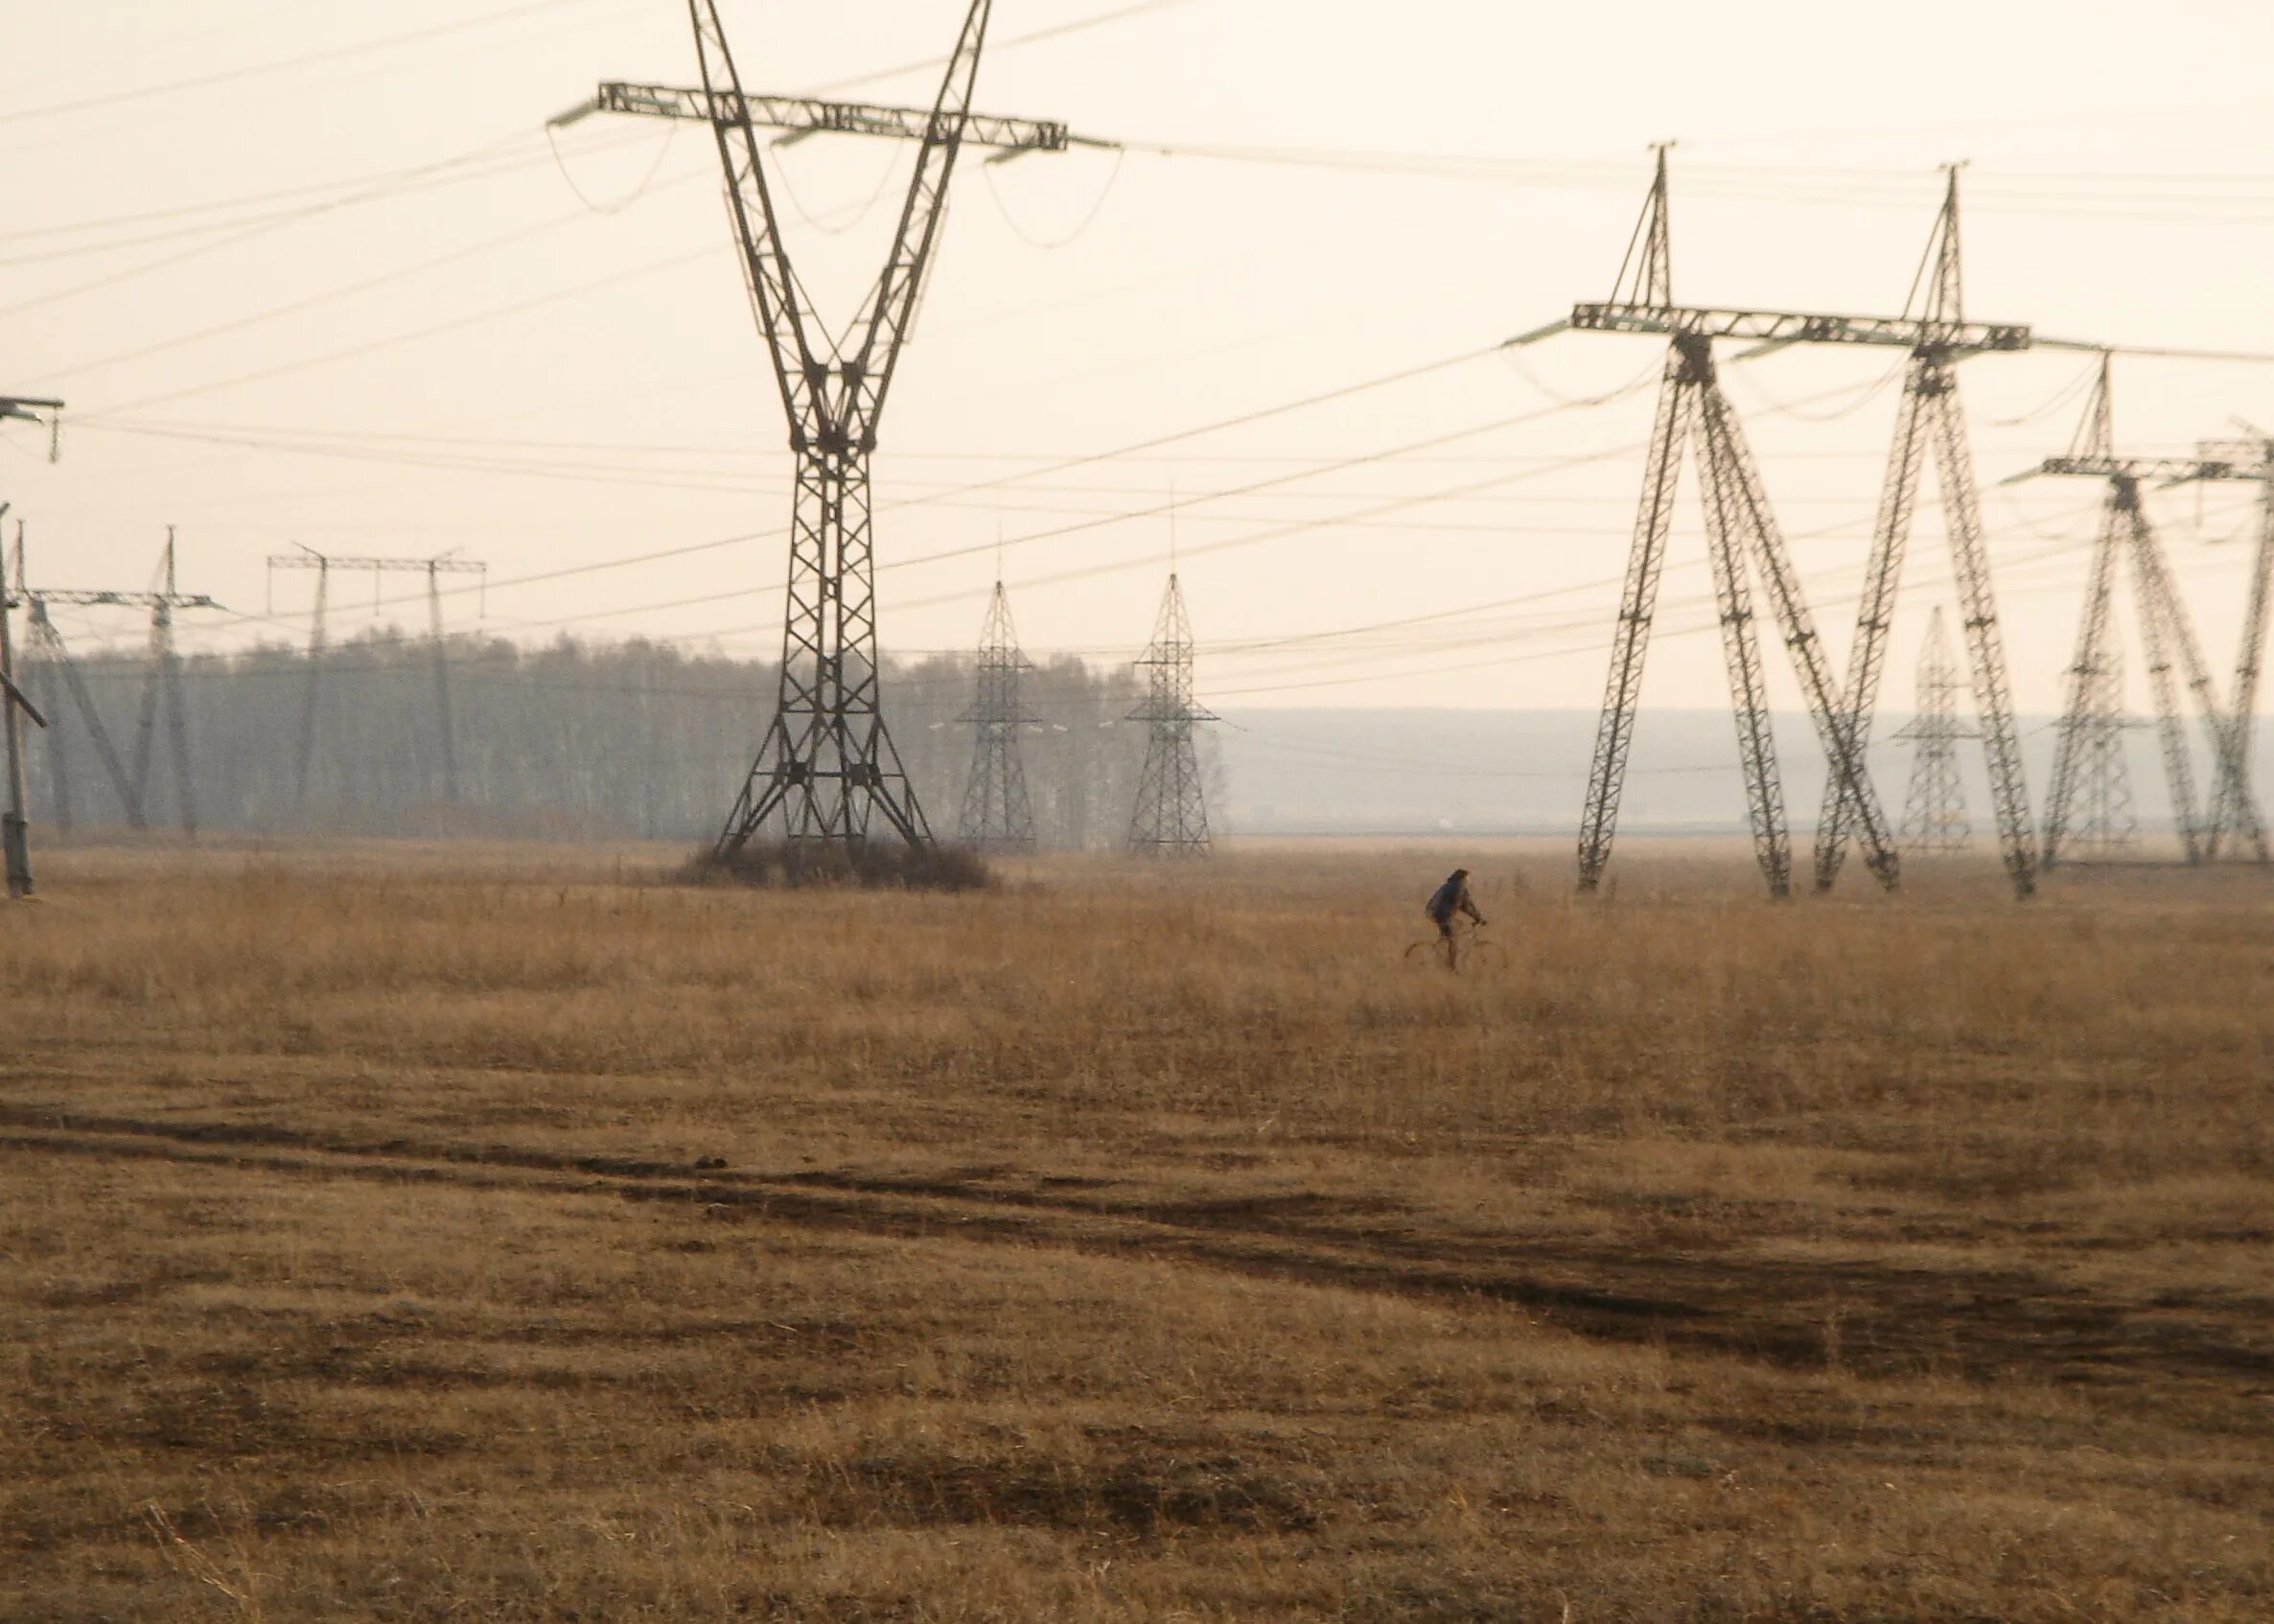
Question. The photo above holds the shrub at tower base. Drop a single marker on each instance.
(888, 863)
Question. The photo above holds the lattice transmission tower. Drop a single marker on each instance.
(2244, 459)
(828, 763)
(1934, 811)
(1172, 814)
(996, 811)
(1738, 522)
(2167, 637)
(2101, 819)
(433, 569)
(1932, 415)
(161, 694)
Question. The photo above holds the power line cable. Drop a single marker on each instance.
(456, 324)
(112, 99)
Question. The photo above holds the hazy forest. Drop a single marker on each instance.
(568, 741)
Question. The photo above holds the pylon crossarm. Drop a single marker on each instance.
(1950, 339)
(811, 115)
(345, 561)
(2141, 470)
(83, 599)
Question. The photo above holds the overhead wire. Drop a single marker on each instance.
(473, 250)
(479, 163)
(456, 324)
(1045, 243)
(112, 99)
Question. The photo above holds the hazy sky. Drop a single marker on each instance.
(308, 272)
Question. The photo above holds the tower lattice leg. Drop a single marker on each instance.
(2155, 635)
(1882, 570)
(1986, 646)
(1749, 506)
(2092, 651)
(2234, 787)
(1741, 653)
(1622, 688)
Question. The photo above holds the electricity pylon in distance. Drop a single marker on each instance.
(2166, 635)
(1934, 811)
(161, 687)
(996, 811)
(446, 732)
(1738, 521)
(2102, 821)
(50, 664)
(1172, 813)
(2244, 459)
(828, 762)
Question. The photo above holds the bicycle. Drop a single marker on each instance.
(1464, 949)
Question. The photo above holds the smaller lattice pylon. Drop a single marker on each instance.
(1935, 812)
(1172, 813)
(996, 811)
(2103, 822)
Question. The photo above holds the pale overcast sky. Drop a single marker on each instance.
(309, 272)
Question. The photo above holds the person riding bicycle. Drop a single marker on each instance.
(1448, 899)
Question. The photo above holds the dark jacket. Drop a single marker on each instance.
(1450, 898)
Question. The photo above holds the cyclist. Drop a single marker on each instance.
(1448, 899)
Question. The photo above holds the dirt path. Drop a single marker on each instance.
(1873, 1318)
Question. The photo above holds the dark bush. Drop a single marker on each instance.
(874, 863)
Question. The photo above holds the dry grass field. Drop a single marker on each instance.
(514, 1234)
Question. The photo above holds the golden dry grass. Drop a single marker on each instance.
(512, 1233)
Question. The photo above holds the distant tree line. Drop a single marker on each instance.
(570, 741)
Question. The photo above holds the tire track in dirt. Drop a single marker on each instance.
(1879, 1320)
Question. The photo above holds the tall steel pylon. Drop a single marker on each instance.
(1738, 521)
(828, 763)
(1931, 413)
(1934, 811)
(2167, 637)
(996, 811)
(433, 569)
(1170, 819)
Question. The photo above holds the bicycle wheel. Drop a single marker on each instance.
(1484, 956)
(1425, 953)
